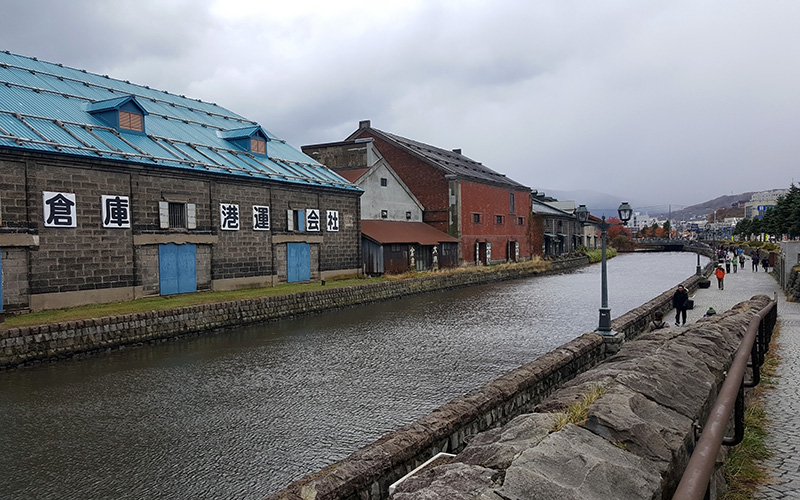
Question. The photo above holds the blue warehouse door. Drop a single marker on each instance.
(177, 268)
(298, 262)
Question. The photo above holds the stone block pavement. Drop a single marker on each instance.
(782, 403)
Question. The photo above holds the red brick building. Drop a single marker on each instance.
(488, 212)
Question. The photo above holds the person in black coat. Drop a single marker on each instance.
(680, 301)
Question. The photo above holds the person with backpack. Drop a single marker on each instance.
(658, 322)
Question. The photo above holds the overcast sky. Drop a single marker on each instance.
(658, 103)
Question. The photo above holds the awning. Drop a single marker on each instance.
(388, 231)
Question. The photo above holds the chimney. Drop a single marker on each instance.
(457, 151)
(364, 124)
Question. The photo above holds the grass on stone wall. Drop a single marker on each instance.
(172, 301)
(744, 470)
(214, 297)
(578, 412)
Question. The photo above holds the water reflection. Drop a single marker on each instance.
(238, 414)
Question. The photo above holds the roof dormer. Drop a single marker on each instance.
(252, 139)
(122, 113)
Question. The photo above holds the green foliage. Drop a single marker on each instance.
(622, 242)
(783, 218)
(596, 254)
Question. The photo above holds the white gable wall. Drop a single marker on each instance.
(394, 198)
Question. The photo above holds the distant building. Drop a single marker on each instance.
(561, 231)
(485, 210)
(761, 202)
(394, 238)
(111, 191)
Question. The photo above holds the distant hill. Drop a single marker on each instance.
(728, 205)
(606, 204)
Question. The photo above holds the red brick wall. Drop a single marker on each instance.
(425, 181)
(490, 202)
(432, 190)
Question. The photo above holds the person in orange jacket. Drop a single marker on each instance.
(720, 273)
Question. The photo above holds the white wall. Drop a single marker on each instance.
(394, 197)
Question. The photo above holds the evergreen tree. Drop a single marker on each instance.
(792, 200)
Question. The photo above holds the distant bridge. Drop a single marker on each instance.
(662, 244)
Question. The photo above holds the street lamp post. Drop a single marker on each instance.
(698, 271)
(625, 212)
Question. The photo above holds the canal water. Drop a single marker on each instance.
(241, 413)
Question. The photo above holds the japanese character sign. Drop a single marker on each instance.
(116, 211)
(312, 220)
(229, 216)
(59, 209)
(332, 217)
(260, 218)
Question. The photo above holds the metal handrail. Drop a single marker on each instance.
(696, 477)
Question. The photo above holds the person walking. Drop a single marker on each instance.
(741, 260)
(720, 274)
(755, 262)
(727, 263)
(734, 263)
(765, 264)
(680, 301)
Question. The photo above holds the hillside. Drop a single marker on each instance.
(726, 206)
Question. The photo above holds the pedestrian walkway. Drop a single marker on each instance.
(782, 403)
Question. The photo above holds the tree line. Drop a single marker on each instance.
(782, 219)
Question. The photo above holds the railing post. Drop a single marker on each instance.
(738, 420)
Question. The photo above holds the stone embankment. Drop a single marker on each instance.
(19, 346)
(368, 473)
(637, 436)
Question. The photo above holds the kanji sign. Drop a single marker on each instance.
(116, 211)
(332, 217)
(312, 220)
(229, 216)
(59, 209)
(260, 218)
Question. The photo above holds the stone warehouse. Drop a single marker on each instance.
(111, 191)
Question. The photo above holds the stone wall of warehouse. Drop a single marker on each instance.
(19, 346)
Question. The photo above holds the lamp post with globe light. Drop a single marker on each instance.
(625, 211)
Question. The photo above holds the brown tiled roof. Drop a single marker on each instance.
(351, 174)
(389, 231)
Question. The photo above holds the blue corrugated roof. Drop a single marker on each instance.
(47, 107)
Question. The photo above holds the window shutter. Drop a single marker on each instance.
(191, 216)
(163, 214)
(289, 220)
